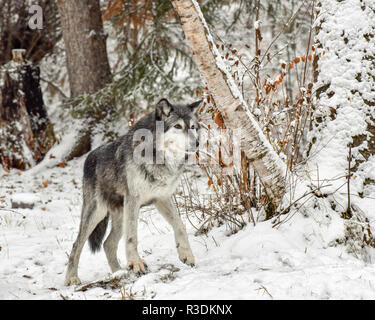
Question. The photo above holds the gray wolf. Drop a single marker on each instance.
(140, 168)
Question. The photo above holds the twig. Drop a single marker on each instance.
(294, 202)
(308, 42)
(348, 212)
(55, 87)
(264, 290)
(14, 211)
(282, 30)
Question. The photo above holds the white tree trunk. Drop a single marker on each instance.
(269, 167)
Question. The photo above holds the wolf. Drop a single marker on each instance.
(142, 167)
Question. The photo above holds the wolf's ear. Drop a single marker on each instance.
(194, 107)
(163, 110)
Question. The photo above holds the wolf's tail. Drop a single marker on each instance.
(96, 237)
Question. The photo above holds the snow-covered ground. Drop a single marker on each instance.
(261, 262)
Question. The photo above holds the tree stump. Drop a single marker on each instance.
(26, 134)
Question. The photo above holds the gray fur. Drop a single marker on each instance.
(96, 237)
(115, 186)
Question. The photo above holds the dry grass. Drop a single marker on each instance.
(236, 196)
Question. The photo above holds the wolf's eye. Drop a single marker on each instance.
(192, 127)
(178, 126)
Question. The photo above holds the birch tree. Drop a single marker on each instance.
(228, 98)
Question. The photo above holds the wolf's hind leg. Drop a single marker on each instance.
(169, 212)
(131, 211)
(91, 216)
(111, 243)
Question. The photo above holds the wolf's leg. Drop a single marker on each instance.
(169, 212)
(111, 243)
(91, 216)
(131, 211)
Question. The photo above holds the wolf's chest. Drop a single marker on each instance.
(153, 187)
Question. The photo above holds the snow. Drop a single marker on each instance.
(305, 257)
(340, 67)
(92, 34)
(27, 198)
(293, 261)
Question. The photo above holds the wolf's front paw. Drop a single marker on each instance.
(138, 266)
(186, 256)
(70, 281)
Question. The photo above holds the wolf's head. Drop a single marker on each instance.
(180, 130)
